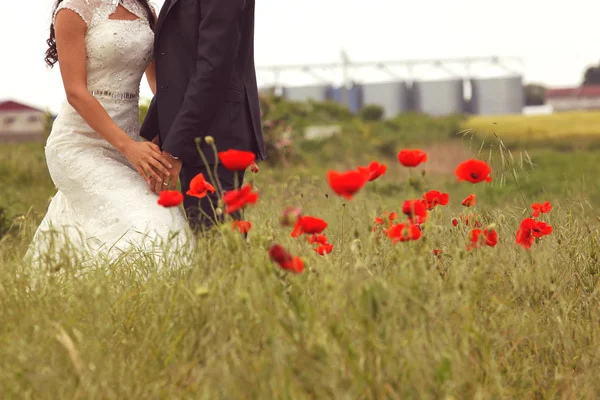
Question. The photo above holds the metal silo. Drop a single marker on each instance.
(497, 96)
(355, 98)
(438, 98)
(350, 97)
(392, 96)
(305, 93)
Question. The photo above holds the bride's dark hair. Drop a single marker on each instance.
(51, 57)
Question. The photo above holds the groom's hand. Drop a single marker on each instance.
(168, 182)
(174, 172)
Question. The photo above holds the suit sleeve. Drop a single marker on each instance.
(218, 44)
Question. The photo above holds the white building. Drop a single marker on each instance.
(577, 98)
(21, 123)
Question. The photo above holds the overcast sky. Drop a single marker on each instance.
(555, 39)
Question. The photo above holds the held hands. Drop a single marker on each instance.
(169, 180)
(148, 161)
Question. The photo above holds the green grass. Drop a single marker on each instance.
(372, 320)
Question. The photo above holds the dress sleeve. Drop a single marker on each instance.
(81, 7)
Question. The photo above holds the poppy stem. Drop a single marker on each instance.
(343, 231)
(213, 178)
(216, 168)
(236, 186)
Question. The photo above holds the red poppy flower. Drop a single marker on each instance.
(374, 170)
(474, 171)
(320, 239)
(434, 198)
(390, 217)
(254, 168)
(170, 198)
(237, 199)
(412, 158)
(295, 265)
(531, 229)
(242, 226)
(236, 160)
(438, 253)
(199, 187)
(454, 222)
(309, 225)
(541, 229)
(478, 235)
(469, 201)
(525, 237)
(541, 208)
(290, 216)
(404, 232)
(415, 210)
(286, 261)
(347, 184)
(324, 249)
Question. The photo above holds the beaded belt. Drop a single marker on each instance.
(115, 95)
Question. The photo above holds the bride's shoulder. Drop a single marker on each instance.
(86, 9)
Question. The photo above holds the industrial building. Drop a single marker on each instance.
(438, 98)
(490, 96)
(393, 97)
(497, 96)
(305, 93)
(496, 89)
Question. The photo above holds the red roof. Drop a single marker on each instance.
(14, 106)
(582, 91)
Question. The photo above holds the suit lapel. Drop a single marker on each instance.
(163, 15)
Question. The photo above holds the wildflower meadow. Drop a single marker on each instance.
(400, 259)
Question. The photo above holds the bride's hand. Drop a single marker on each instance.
(147, 159)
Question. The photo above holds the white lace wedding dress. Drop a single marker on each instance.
(103, 208)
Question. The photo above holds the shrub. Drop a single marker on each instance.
(371, 113)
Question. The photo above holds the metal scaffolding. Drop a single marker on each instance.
(350, 71)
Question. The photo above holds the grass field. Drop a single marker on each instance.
(569, 130)
(372, 320)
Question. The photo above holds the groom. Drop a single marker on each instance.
(206, 86)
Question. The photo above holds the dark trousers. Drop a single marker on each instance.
(201, 212)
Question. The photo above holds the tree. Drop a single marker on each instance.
(592, 76)
(534, 95)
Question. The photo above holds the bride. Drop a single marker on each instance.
(96, 158)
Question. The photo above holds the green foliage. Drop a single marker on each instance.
(5, 222)
(372, 320)
(592, 76)
(535, 95)
(144, 110)
(48, 122)
(371, 113)
(284, 123)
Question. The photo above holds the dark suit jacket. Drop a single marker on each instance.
(206, 79)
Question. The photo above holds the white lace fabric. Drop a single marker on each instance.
(103, 207)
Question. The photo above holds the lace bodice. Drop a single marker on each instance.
(118, 51)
